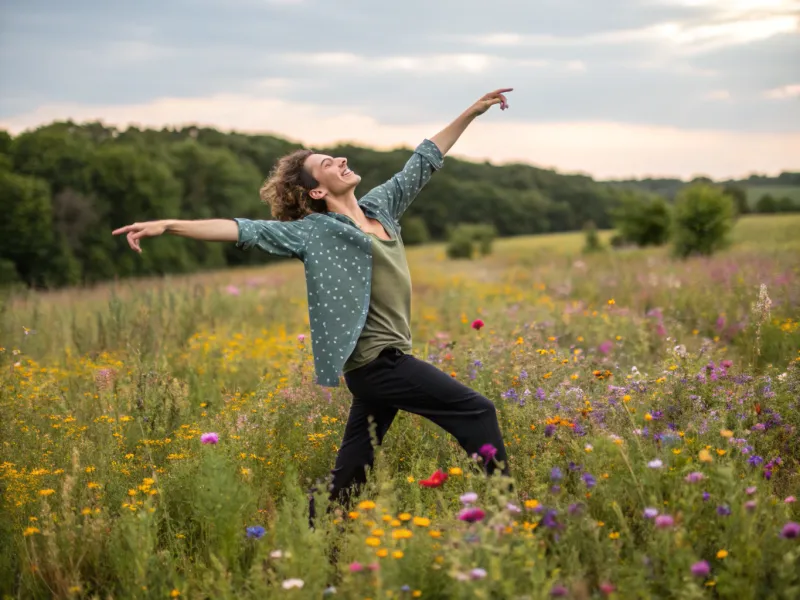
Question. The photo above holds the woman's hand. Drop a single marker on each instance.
(140, 230)
(490, 99)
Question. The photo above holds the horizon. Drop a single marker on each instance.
(619, 89)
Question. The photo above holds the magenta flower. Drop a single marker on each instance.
(487, 451)
(209, 438)
(606, 347)
(694, 477)
(471, 515)
(791, 530)
(664, 521)
(356, 567)
(750, 505)
(701, 569)
(790, 499)
(558, 591)
(751, 490)
(607, 588)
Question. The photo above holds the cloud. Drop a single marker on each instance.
(604, 149)
(784, 92)
(717, 95)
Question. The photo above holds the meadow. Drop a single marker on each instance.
(649, 407)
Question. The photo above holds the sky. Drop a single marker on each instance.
(611, 88)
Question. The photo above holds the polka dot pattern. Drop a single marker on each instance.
(338, 259)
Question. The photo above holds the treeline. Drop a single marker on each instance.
(758, 194)
(64, 187)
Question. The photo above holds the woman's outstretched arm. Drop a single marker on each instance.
(209, 230)
(448, 136)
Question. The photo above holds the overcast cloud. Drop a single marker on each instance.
(614, 88)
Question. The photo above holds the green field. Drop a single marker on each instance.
(627, 384)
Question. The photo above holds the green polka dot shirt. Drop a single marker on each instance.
(338, 259)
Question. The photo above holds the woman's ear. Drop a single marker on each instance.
(317, 193)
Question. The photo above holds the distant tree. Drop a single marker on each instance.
(414, 231)
(592, 240)
(786, 205)
(703, 219)
(739, 196)
(766, 204)
(643, 222)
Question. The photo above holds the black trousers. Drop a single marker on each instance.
(396, 381)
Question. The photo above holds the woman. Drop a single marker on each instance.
(359, 294)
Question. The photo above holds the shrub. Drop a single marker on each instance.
(643, 222)
(703, 219)
(459, 244)
(465, 237)
(415, 231)
(592, 243)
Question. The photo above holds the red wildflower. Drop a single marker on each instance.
(435, 480)
(477, 324)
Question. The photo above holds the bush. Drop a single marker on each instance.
(703, 219)
(415, 231)
(643, 222)
(592, 239)
(463, 239)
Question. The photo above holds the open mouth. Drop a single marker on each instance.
(347, 172)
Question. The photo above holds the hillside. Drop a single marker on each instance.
(69, 185)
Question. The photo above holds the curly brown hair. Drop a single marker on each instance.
(286, 189)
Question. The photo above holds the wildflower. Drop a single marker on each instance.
(531, 504)
(288, 584)
(791, 530)
(174, 593)
(549, 430)
(209, 438)
(373, 566)
(416, 593)
(655, 464)
(477, 573)
(487, 451)
(421, 521)
(726, 433)
(513, 508)
(614, 535)
(704, 456)
(382, 553)
(664, 521)
(435, 533)
(755, 460)
(373, 542)
(650, 513)
(356, 567)
(694, 477)
(255, 532)
(404, 517)
(549, 519)
(435, 480)
(456, 471)
(329, 591)
(558, 591)
(279, 554)
(589, 480)
(471, 515)
(46, 492)
(790, 499)
(556, 474)
(405, 588)
(401, 534)
(701, 569)
(469, 498)
(606, 588)
(477, 324)
(751, 490)
(353, 515)
(366, 505)
(722, 554)
(30, 531)
(723, 510)
(588, 448)
(301, 338)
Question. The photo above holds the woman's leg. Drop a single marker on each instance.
(418, 387)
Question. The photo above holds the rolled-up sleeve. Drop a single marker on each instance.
(281, 238)
(399, 192)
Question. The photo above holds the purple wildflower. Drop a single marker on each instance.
(650, 513)
(556, 474)
(723, 510)
(540, 395)
(751, 490)
(706, 496)
(255, 532)
(469, 498)
(209, 438)
(694, 477)
(549, 519)
(791, 530)
(589, 480)
(477, 573)
(750, 505)
(487, 451)
(664, 521)
(755, 460)
(558, 591)
(549, 430)
(701, 569)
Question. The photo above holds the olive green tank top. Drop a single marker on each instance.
(389, 311)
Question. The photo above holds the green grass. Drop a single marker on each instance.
(598, 364)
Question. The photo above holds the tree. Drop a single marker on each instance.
(766, 204)
(703, 219)
(414, 231)
(643, 222)
(739, 196)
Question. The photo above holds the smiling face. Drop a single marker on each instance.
(332, 175)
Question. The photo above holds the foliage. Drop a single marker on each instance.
(468, 238)
(101, 178)
(592, 243)
(643, 222)
(616, 377)
(415, 232)
(703, 221)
